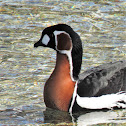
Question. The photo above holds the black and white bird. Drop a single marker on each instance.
(102, 87)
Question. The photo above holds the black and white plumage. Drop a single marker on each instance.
(107, 81)
(97, 88)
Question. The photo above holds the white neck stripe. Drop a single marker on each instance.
(67, 52)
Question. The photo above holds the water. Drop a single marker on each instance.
(24, 70)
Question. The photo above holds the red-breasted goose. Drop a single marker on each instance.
(67, 90)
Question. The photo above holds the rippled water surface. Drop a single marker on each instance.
(24, 70)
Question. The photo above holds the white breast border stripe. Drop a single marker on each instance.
(73, 98)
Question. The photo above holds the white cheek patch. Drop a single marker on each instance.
(45, 39)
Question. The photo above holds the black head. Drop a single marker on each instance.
(49, 35)
(62, 37)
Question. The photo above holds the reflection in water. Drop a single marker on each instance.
(85, 118)
(99, 117)
(55, 116)
(24, 70)
(37, 115)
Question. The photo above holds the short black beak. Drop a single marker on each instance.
(39, 43)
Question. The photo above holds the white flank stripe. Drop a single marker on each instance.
(105, 101)
(45, 39)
